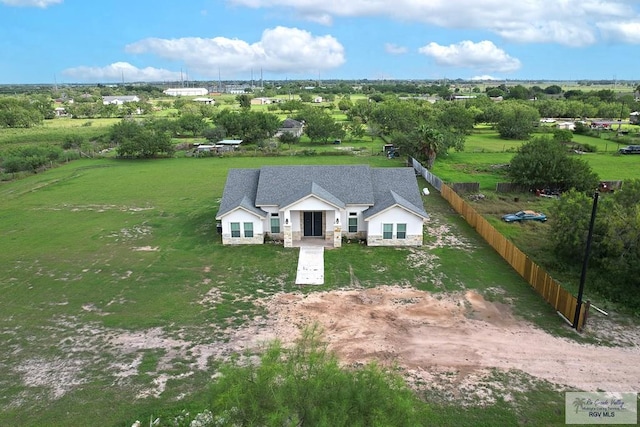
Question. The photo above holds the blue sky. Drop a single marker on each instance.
(102, 41)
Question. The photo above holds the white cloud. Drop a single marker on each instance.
(119, 71)
(280, 50)
(394, 49)
(628, 32)
(484, 77)
(483, 55)
(30, 3)
(566, 22)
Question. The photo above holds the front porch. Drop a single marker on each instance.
(312, 228)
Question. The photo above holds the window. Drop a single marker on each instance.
(401, 231)
(353, 222)
(387, 231)
(235, 229)
(248, 229)
(275, 225)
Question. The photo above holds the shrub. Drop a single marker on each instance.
(305, 385)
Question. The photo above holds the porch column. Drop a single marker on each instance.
(337, 232)
(288, 234)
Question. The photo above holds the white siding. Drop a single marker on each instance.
(242, 216)
(395, 216)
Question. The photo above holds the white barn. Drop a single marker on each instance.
(186, 91)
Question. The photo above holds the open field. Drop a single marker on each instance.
(54, 131)
(119, 301)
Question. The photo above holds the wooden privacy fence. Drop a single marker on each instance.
(561, 299)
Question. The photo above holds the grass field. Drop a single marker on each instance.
(485, 152)
(101, 252)
(54, 131)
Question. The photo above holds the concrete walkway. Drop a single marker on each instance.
(310, 266)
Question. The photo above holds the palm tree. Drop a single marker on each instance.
(430, 141)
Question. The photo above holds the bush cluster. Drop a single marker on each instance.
(32, 158)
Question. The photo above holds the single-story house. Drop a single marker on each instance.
(119, 100)
(292, 126)
(381, 206)
(261, 101)
(205, 101)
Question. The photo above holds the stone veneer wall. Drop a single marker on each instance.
(257, 239)
(409, 241)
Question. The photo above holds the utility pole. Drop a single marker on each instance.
(585, 262)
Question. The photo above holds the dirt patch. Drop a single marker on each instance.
(146, 249)
(452, 346)
(460, 334)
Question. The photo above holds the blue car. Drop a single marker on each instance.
(525, 216)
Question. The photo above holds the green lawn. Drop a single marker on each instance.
(54, 131)
(103, 250)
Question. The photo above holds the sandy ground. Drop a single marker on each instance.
(450, 344)
(460, 334)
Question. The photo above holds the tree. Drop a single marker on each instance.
(517, 120)
(19, 113)
(193, 123)
(140, 140)
(244, 100)
(356, 129)
(288, 138)
(615, 252)
(568, 232)
(291, 105)
(215, 134)
(518, 92)
(306, 97)
(562, 136)
(553, 90)
(320, 126)
(430, 141)
(543, 163)
(250, 126)
(345, 104)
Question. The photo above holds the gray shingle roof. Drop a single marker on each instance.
(395, 186)
(281, 186)
(290, 123)
(316, 190)
(349, 184)
(240, 191)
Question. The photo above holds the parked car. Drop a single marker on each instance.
(525, 216)
(631, 149)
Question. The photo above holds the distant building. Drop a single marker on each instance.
(634, 118)
(261, 101)
(294, 127)
(206, 101)
(119, 100)
(186, 91)
(566, 125)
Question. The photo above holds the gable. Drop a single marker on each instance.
(240, 191)
(396, 187)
